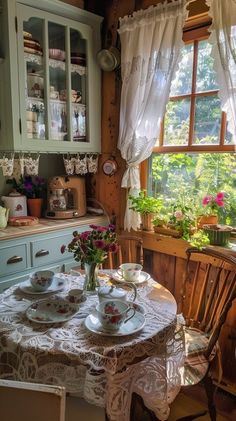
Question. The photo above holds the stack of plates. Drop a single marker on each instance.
(78, 58)
(31, 45)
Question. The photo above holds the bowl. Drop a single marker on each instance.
(41, 280)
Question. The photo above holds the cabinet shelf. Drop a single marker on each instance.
(55, 64)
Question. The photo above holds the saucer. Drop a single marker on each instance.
(51, 311)
(132, 326)
(144, 276)
(57, 285)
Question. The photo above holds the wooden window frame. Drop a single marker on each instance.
(194, 36)
(195, 29)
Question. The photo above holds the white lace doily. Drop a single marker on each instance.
(104, 370)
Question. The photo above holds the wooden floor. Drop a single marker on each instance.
(190, 402)
(187, 403)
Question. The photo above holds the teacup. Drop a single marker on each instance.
(76, 295)
(112, 314)
(130, 271)
(41, 280)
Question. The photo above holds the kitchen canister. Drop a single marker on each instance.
(16, 203)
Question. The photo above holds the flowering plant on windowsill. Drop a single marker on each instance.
(93, 246)
(213, 203)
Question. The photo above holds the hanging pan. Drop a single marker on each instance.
(108, 58)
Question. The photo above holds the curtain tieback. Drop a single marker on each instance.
(132, 166)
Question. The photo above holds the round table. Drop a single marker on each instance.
(104, 370)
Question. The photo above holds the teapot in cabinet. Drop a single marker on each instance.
(4, 214)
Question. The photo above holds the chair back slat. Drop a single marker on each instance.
(222, 298)
(211, 277)
(210, 305)
(193, 290)
(202, 294)
(130, 250)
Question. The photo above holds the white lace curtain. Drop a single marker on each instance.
(223, 40)
(151, 40)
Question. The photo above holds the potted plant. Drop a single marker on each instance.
(211, 207)
(33, 187)
(147, 206)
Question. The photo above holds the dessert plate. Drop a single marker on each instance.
(117, 276)
(51, 311)
(58, 284)
(133, 325)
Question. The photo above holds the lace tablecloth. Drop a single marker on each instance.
(104, 370)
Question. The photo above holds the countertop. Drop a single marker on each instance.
(47, 225)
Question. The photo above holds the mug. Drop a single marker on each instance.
(130, 271)
(112, 314)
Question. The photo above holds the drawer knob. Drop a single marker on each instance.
(14, 259)
(41, 253)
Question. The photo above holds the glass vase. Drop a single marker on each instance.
(91, 277)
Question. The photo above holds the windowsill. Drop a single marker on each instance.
(175, 246)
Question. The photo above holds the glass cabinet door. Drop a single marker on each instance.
(78, 85)
(34, 79)
(55, 77)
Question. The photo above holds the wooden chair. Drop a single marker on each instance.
(130, 250)
(20, 401)
(208, 290)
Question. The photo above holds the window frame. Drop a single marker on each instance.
(194, 35)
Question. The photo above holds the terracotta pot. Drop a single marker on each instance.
(207, 219)
(146, 219)
(35, 207)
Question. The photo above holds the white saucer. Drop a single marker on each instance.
(144, 276)
(132, 326)
(57, 285)
(51, 311)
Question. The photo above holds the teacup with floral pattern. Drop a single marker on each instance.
(41, 280)
(113, 313)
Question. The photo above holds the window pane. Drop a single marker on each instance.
(176, 129)
(229, 138)
(195, 175)
(182, 84)
(206, 76)
(207, 121)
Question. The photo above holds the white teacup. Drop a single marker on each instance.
(76, 295)
(41, 280)
(112, 314)
(130, 271)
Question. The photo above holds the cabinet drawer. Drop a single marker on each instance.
(48, 251)
(13, 259)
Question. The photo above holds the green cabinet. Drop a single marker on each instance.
(49, 78)
(19, 257)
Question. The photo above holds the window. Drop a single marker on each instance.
(194, 155)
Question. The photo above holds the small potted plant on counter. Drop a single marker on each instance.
(33, 187)
(147, 206)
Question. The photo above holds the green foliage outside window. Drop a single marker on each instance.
(193, 176)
